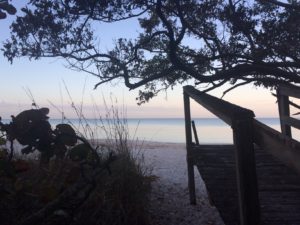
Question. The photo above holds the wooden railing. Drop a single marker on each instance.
(284, 148)
(247, 131)
(241, 121)
(286, 121)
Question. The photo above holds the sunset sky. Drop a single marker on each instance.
(44, 78)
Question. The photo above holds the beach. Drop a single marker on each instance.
(169, 199)
(169, 195)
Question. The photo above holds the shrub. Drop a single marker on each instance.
(106, 184)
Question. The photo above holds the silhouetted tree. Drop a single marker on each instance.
(5, 8)
(212, 42)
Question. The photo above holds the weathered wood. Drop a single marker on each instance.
(284, 148)
(216, 165)
(284, 110)
(224, 110)
(290, 121)
(246, 172)
(236, 177)
(187, 116)
(188, 133)
(288, 91)
(278, 185)
(195, 133)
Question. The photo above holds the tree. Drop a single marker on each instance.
(234, 41)
(5, 7)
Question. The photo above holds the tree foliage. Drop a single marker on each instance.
(5, 8)
(209, 42)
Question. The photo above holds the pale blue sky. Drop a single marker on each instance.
(44, 79)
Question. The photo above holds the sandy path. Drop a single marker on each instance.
(170, 197)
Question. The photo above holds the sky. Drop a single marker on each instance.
(46, 79)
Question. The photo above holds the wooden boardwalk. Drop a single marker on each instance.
(246, 184)
(278, 185)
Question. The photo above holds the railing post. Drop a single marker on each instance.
(188, 133)
(246, 171)
(195, 133)
(284, 110)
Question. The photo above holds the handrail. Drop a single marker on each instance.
(246, 132)
(226, 111)
(284, 148)
(289, 91)
(286, 121)
(241, 121)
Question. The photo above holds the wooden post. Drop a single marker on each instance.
(195, 133)
(246, 172)
(284, 111)
(188, 134)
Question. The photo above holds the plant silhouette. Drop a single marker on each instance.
(32, 129)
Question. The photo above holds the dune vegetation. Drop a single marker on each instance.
(66, 178)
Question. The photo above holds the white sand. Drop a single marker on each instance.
(170, 196)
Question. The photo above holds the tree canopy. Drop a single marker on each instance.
(5, 8)
(210, 42)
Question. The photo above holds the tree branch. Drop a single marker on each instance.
(282, 4)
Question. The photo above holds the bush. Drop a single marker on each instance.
(106, 184)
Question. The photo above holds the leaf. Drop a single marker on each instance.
(79, 152)
(44, 111)
(59, 150)
(66, 134)
(2, 141)
(30, 125)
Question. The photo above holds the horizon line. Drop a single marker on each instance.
(150, 118)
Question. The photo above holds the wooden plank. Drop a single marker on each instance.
(246, 172)
(278, 185)
(220, 179)
(284, 111)
(279, 197)
(289, 91)
(284, 148)
(196, 151)
(187, 116)
(290, 121)
(190, 165)
(224, 110)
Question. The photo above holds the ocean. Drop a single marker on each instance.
(209, 130)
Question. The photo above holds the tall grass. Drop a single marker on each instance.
(118, 195)
(108, 131)
(122, 195)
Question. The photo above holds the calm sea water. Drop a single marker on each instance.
(210, 130)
